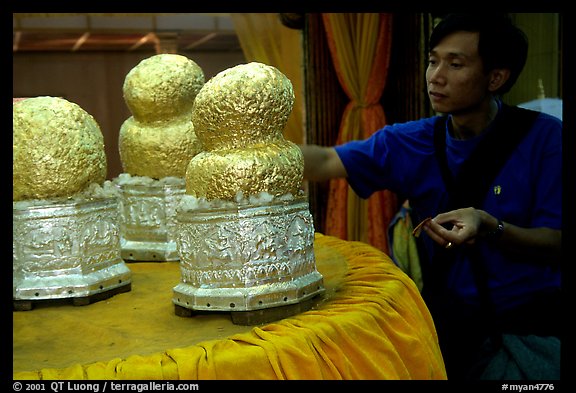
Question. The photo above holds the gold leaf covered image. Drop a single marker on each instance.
(58, 149)
(158, 140)
(243, 105)
(239, 116)
(273, 168)
(162, 87)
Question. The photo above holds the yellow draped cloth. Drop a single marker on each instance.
(265, 39)
(371, 324)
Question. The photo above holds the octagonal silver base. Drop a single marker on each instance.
(67, 249)
(147, 220)
(245, 257)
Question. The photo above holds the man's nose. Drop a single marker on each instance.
(436, 75)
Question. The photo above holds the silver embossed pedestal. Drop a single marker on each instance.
(67, 249)
(252, 257)
(148, 220)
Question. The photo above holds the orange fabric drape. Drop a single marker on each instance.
(360, 47)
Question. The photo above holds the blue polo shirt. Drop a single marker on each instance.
(527, 192)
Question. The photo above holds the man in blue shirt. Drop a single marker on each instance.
(491, 267)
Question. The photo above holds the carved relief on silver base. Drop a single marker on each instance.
(148, 222)
(66, 249)
(247, 257)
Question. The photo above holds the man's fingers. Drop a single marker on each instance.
(418, 229)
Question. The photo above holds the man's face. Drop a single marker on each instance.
(455, 77)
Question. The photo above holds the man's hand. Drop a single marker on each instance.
(456, 227)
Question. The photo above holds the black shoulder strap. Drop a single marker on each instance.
(476, 174)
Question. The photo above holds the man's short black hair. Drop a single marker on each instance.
(500, 45)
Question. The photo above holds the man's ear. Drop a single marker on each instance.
(498, 77)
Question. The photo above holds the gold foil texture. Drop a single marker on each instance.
(58, 149)
(162, 87)
(158, 140)
(239, 116)
(273, 168)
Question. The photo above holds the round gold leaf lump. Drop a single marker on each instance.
(242, 106)
(162, 87)
(158, 140)
(239, 116)
(58, 149)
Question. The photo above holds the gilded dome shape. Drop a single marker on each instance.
(162, 87)
(239, 116)
(58, 149)
(158, 140)
(243, 105)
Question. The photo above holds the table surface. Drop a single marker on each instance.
(142, 322)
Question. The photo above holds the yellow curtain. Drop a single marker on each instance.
(265, 39)
(360, 46)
